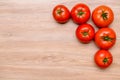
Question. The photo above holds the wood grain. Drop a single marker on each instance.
(34, 47)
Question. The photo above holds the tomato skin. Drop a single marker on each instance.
(80, 13)
(61, 14)
(85, 33)
(105, 38)
(103, 58)
(102, 16)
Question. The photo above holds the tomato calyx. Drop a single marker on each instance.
(80, 13)
(105, 60)
(59, 11)
(85, 33)
(107, 38)
(104, 15)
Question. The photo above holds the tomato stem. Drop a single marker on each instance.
(80, 13)
(105, 60)
(107, 38)
(85, 33)
(104, 15)
(59, 11)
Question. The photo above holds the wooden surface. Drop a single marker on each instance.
(34, 47)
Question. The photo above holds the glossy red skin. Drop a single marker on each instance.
(85, 28)
(100, 56)
(98, 19)
(83, 18)
(64, 16)
(100, 42)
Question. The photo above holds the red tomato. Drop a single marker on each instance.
(102, 16)
(61, 13)
(105, 38)
(80, 13)
(85, 33)
(103, 58)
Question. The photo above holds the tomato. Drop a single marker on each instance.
(103, 58)
(80, 13)
(85, 33)
(102, 16)
(105, 38)
(61, 13)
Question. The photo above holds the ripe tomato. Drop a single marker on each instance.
(102, 16)
(85, 33)
(105, 38)
(61, 13)
(80, 13)
(103, 58)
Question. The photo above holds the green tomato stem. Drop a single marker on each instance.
(85, 33)
(105, 60)
(107, 38)
(104, 15)
(59, 11)
(80, 13)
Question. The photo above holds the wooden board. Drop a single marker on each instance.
(34, 47)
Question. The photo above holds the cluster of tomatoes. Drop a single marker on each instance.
(102, 16)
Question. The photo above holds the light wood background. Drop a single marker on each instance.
(34, 47)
